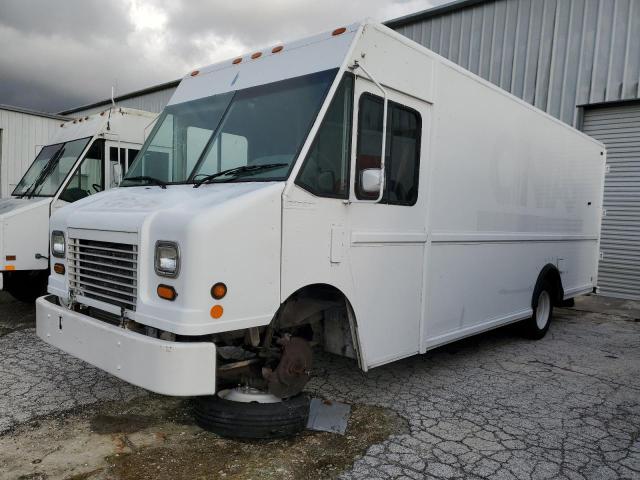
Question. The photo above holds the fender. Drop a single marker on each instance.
(548, 273)
(315, 298)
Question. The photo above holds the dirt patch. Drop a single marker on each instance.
(104, 424)
(155, 437)
(310, 455)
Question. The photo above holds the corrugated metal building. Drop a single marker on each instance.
(22, 134)
(152, 99)
(579, 60)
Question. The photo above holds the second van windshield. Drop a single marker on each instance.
(260, 125)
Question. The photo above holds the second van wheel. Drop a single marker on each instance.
(536, 327)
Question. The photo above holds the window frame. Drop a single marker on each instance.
(78, 167)
(416, 175)
(298, 180)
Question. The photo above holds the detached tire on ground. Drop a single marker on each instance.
(252, 420)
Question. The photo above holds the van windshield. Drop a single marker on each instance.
(260, 125)
(50, 168)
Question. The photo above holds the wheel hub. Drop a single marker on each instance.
(543, 310)
(247, 395)
(293, 371)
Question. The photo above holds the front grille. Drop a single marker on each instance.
(104, 271)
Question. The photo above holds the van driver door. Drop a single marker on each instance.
(387, 237)
(86, 178)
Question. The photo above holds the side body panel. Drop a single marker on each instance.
(374, 253)
(25, 233)
(512, 191)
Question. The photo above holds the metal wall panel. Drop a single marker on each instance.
(555, 54)
(618, 127)
(151, 102)
(22, 137)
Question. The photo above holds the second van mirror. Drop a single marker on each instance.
(370, 180)
(116, 174)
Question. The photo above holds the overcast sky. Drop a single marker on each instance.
(60, 54)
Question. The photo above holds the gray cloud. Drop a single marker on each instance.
(57, 55)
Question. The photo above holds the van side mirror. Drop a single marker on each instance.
(116, 174)
(371, 180)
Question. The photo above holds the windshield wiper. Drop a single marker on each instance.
(44, 173)
(153, 180)
(238, 171)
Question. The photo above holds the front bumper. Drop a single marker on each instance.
(168, 368)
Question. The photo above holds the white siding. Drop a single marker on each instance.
(22, 137)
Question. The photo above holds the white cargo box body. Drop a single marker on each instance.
(502, 192)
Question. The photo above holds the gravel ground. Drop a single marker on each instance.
(493, 406)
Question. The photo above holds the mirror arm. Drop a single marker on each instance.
(384, 128)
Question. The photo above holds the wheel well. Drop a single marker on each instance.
(549, 274)
(328, 311)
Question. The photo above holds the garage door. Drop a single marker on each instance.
(619, 129)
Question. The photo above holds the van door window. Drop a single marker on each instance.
(88, 177)
(402, 156)
(116, 155)
(325, 171)
(132, 153)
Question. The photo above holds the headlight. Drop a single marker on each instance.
(58, 246)
(167, 259)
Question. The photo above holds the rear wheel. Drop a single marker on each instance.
(536, 327)
(246, 412)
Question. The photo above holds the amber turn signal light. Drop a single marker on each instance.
(219, 290)
(59, 268)
(217, 311)
(338, 31)
(167, 292)
(277, 49)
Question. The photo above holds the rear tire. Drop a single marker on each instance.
(537, 326)
(252, 420)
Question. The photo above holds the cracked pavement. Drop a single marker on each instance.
(492, 406)
(37, 379)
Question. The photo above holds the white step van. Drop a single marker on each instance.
(261, 220)
(85, 156)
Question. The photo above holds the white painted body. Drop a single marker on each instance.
(504, 190)
(24, 222)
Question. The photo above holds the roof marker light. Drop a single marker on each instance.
(237, 60)
(256, 55)
(277, 49)
(194, 73)
(338, 31)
